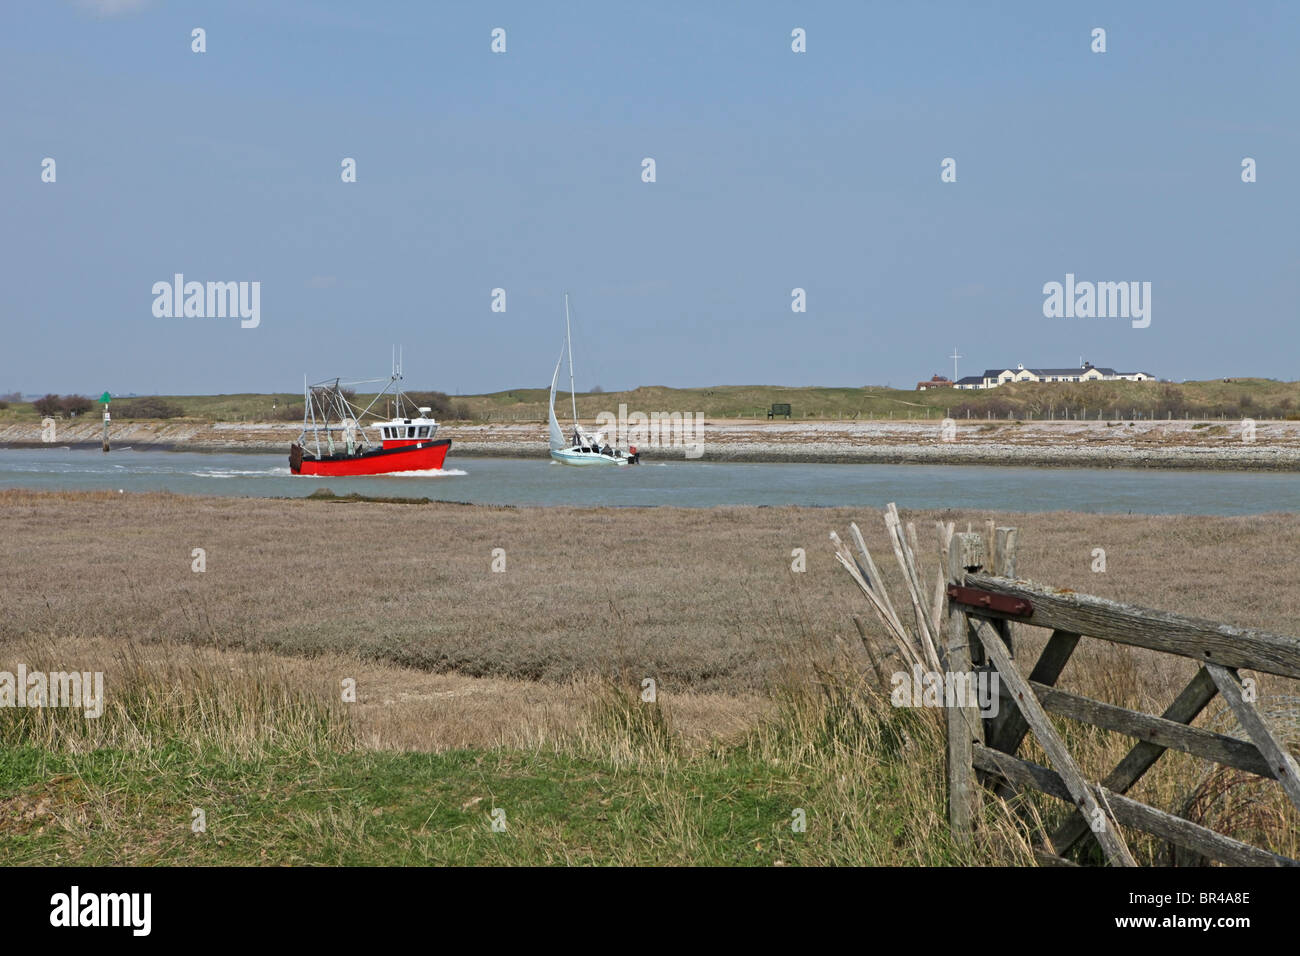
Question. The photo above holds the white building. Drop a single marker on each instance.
(1087, 372)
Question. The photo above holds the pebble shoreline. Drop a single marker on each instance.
(1067, 445)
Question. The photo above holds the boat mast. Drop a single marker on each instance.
(309, 404)
(569, 339)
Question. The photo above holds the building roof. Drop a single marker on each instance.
(995, 372)
(1072, 372)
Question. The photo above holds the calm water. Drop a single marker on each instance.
(688, 484)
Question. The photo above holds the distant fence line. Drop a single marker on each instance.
(933, 414)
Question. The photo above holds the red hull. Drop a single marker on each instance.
(427, 456)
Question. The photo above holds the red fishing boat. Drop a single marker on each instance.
(337, 441)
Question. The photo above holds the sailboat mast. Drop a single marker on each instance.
(569, 339)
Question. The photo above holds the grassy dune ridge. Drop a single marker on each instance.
(1231, 398)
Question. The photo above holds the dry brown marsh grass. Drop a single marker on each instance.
(864, 770)
(159, 695)
(828, 729)
(703, 600)
(396, 708)
(449, 654)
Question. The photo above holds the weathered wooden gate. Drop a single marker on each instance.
(982, 751)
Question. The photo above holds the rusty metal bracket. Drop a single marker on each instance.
(974, 597)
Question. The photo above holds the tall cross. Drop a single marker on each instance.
(954, 356)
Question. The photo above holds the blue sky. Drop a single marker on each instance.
(522, 170)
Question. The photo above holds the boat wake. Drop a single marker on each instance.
(430, 473)
(240, 473)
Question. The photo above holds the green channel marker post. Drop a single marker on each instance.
(104, 400)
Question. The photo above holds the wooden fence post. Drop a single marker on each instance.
(1005, 566)
(1003, 541)
(965, 727)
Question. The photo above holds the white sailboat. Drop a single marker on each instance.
(581, 448)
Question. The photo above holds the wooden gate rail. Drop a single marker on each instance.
(1132, 813)
(981, 608)
(1208, 641)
